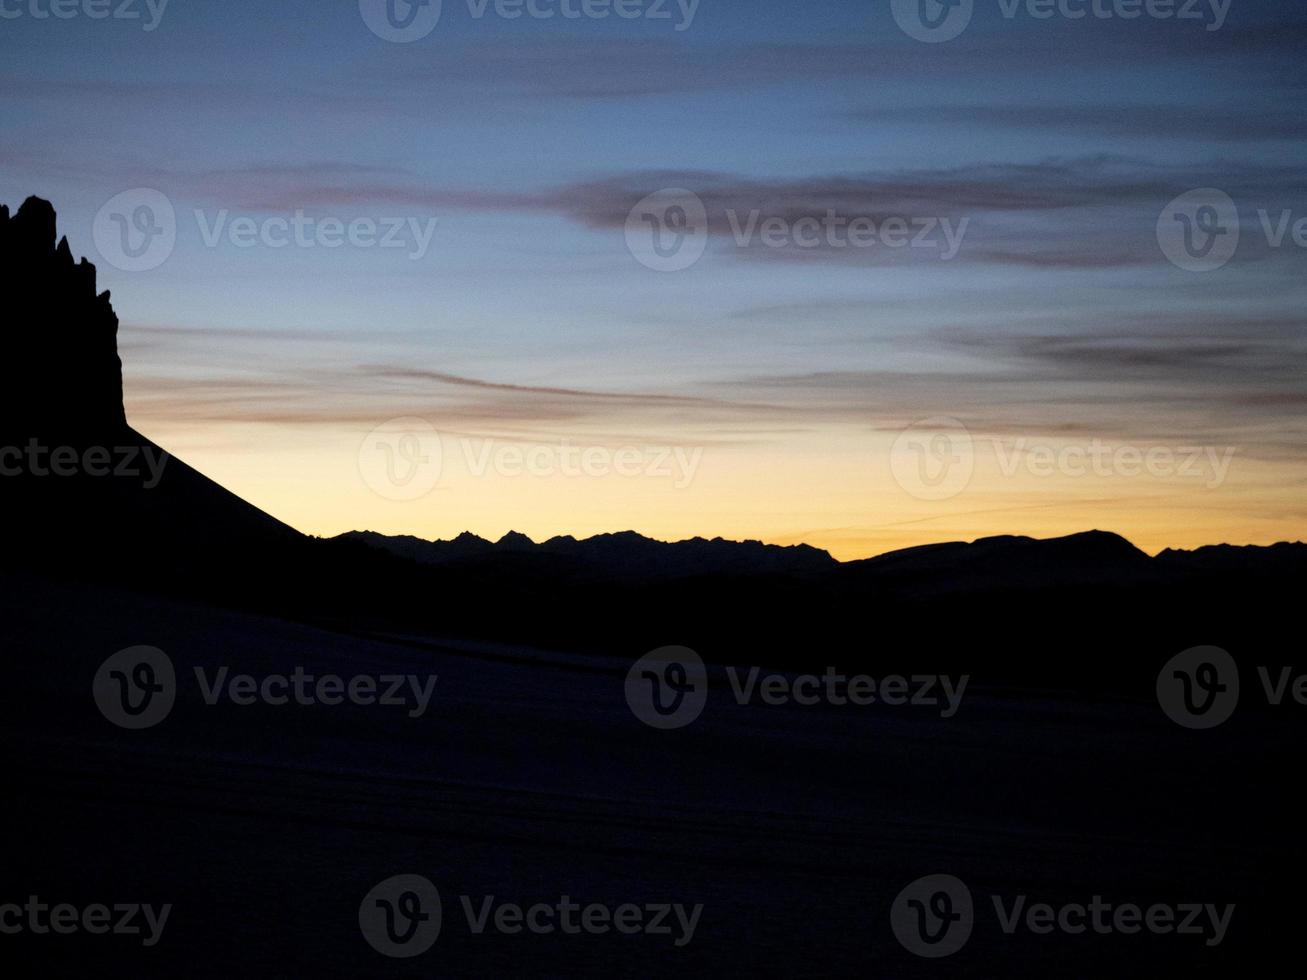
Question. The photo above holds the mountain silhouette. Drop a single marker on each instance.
(81, 486)
(168, 528)
(1001, 562)
(626, 554)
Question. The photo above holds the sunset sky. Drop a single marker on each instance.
(1060, 367)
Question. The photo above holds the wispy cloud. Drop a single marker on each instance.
(1165, 383)
(1216, 123)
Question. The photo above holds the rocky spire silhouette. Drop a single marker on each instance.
(116, 504)
(62, 374)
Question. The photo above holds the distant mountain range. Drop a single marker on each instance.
(1093, 557)
(625, 553)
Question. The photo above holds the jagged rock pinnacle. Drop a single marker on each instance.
(35, 222)
(59, 369)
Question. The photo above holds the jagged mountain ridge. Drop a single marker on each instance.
(987, 563)
(626, 553)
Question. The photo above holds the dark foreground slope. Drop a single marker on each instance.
(528, 778)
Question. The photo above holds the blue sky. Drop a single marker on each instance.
(1059, 141)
